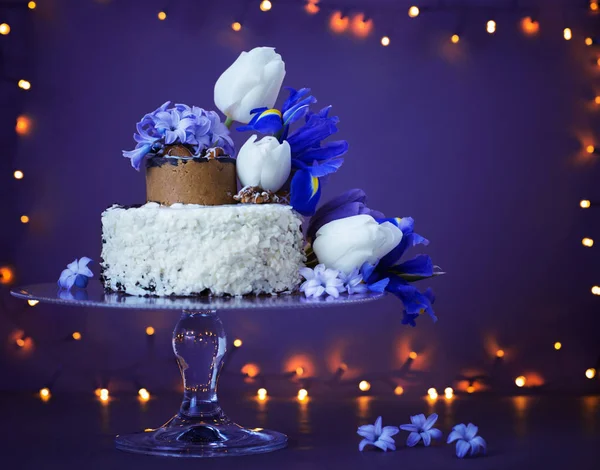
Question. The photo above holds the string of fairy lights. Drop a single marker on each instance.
(361, 25)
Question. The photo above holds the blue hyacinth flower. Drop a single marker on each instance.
(77, 273)
(467, 440)
(421, 429)
(305, 192)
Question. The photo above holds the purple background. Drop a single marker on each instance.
(480, 142)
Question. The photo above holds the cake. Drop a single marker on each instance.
(188, 249)
(224, 223)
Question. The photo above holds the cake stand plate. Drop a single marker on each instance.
(200, 428)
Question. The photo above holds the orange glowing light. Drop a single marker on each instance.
(6, 275)
(587, 242)
(432, 393)
(594, 6)
(144, 394)
(311, 7)
(413, 355)
(302, 394)
(23, 125)
(24, 219)
(585, 204)
(45, 394)
(104, 394)
(590, 373)
(24, 84)
(76, 335)
(529, 26)
(265, 5)
(33, 303)
(399, 390)
(261, 393)
(364, 386)
(589, 41)
(18, 175)
(20, 342)
(338, 23)
(31, 5)
(520, 381)
(590, 149)
(413, 11)
(448, 393)
(455, 38)
(500, 353)
(491, 27)
(162, 15)
(596, 290)
(150, 330)
(236, 26)
(299, 371)
(4, 29)
(470, 389)
(251, 370)
(385, 41)
(361, 27)
(237, 343)
(567, 34)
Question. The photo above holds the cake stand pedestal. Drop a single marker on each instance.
(200, 428)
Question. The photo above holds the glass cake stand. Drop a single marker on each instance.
(200, 428)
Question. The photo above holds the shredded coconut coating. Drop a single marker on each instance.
(188, 249)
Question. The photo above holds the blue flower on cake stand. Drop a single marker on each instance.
(467, 440)
(378, 436)
(401, 275)
(421, 429)
(321, 280)
(77, 273)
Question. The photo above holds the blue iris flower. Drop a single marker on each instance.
(312, 160)
(400, 275)
(273, 121)
(467, 440)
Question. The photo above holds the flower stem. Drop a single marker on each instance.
(228, 122)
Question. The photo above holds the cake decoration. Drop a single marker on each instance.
(378, 436)
(421, 429)
(251, 240)
(347, 236)
(311, 160)
(178, 130)
(76, 274)
(321, 280)
(265, 163)
(252, 81)
(467, 440)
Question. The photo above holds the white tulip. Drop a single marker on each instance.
(265, 163)
(346, 244)
(252, 81)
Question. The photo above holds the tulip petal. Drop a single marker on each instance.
(276, 168)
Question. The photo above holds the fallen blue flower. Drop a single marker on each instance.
(467, 440)
(77, 273)
(378, 436)
(421, 429)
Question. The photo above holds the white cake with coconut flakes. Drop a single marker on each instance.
(189, 249)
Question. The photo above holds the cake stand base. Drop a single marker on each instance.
(201, 428)
(182, 437)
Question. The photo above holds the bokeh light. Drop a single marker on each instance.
(520, 381)
(236, 26)
(529, 26)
